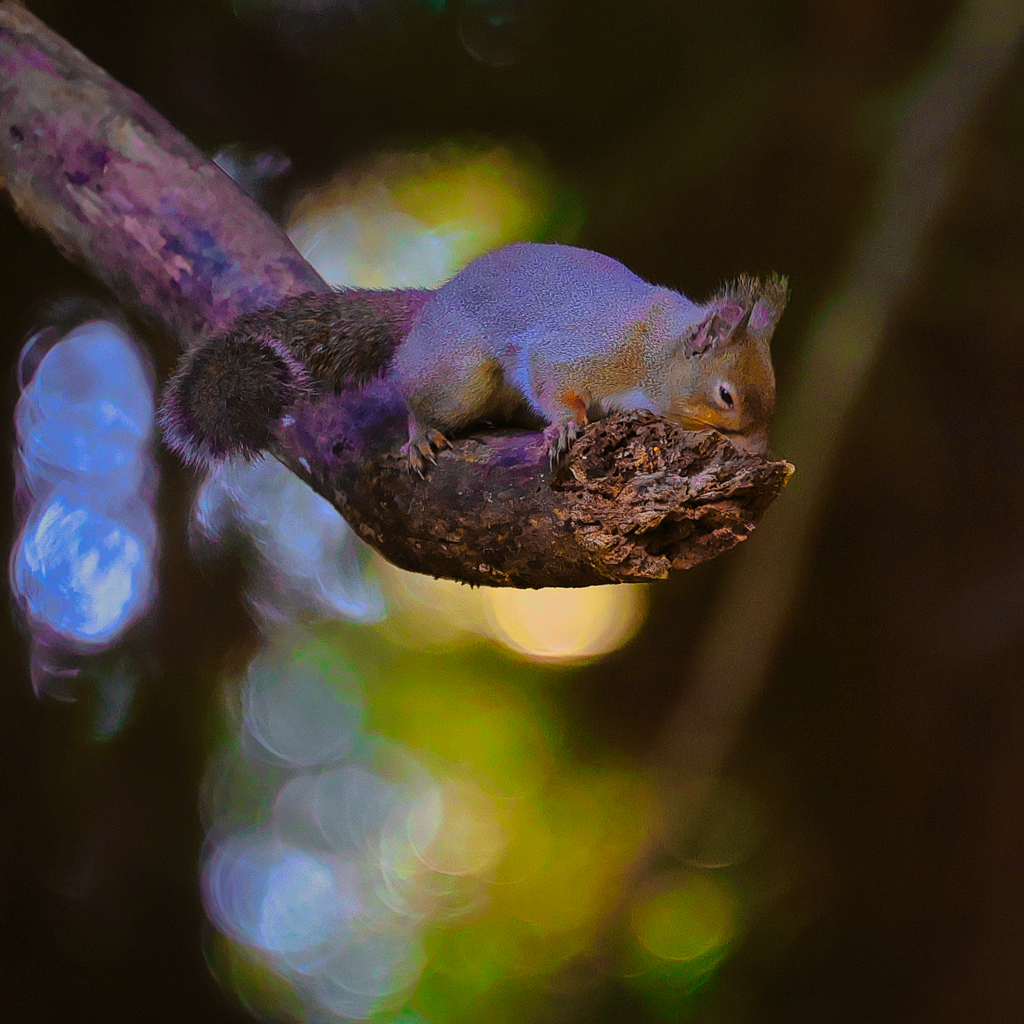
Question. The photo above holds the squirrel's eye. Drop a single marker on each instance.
(725, 395)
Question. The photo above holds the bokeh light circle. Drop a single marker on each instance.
(566, 625)
(688, 916)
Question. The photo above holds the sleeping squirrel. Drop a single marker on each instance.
(538, 335)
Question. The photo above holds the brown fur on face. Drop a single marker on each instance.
(740, 368)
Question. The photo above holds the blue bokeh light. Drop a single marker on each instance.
(81, 573)
(298, 714)
(318, 568)
(310, 862)
(82, 569)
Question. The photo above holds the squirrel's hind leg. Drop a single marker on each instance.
(448, 401)
(564, 429)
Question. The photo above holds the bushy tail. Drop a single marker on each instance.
(230, 390)
(226, 395)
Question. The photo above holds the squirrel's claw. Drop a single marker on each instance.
(420, 448)
(436, 440)
(412, 458)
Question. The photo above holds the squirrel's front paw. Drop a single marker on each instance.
(559, 438)
(420, 448)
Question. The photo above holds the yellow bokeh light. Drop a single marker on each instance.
(550, 625)
(530, 844)
(566, 625)
(413, 219)
(455, 830)
(427, 612)
(480, 200)
(688, 916)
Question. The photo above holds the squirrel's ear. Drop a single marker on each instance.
(717, 328)
(731, 313)
(745, 304)
(770, 303)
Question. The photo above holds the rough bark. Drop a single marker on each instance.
(118, 189)
(635, 496)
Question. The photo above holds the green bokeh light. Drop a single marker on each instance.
(688, 918)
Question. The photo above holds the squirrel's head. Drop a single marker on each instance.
(727, 383)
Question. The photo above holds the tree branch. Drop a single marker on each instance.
(635, 497)
(118, 189)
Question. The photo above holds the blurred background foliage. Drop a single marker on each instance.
(861, 855)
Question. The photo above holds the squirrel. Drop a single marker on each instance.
(534, 334)
(558, 335)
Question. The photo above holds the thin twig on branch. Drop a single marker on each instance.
(117, 189)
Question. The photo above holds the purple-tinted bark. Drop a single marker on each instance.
(115, 187)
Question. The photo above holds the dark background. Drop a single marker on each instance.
(701, 140)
